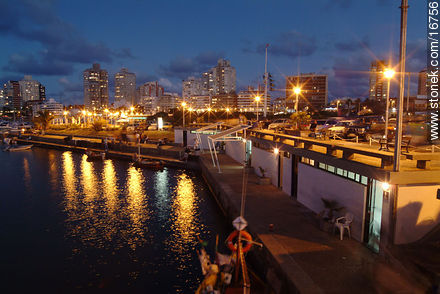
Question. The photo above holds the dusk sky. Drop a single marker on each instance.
(54, 41)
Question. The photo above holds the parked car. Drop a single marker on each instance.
(322, 128)
(341, 128)
(280, 123)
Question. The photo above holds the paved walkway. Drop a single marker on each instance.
(316, 261)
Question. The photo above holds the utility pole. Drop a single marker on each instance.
(265, 84)
(399, 123)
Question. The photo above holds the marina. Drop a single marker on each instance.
(101, 225)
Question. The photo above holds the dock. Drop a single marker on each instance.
(297, 256)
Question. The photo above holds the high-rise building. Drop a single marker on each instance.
(149, 94)
(423, 83)
(29, 89)
(219, 80)
(125, 87)
(95, 87)
(224, 78)
(378, 83)
(192, 86)
(12, 95)
(314, 90)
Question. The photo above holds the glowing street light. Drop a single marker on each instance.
(276, 151)
(297, 91)
(388, 73)
(65, 116)
(257, 99)
(209, 112)
(227, 113)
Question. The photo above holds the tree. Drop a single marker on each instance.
(300, 118)
(97, 125)
(43, 119)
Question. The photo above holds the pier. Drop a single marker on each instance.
(297, 257)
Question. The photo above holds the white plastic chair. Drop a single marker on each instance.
(343, 223)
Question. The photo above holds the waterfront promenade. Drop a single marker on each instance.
(312, 260)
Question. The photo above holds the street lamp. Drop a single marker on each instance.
(257, 99)
(209, 112)
(227, 113)
(183, 113)
(65, 116)
(296, 90)
(388, 73)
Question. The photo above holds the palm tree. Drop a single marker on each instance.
(43, 119)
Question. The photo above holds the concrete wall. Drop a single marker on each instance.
(178, 138)
(418, 212)
(287, 175)
(268, 161)
(314, 184)
(236, 150)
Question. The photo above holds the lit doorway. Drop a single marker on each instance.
(373, 215)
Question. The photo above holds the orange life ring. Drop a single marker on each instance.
(244, 236)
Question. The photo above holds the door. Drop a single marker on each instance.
(248, 150)
(185, 138)
(373, 219)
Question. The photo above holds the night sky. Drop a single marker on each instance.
(54, 41)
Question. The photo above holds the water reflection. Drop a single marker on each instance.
(136, 209)
(161, 188)
(110, 188)
(69, 182)
(88, 180)
(53, 172)
(27, 174)
(185, 228)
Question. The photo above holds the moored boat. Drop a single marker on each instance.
(94, 155)
(17, 147)
(150, 164)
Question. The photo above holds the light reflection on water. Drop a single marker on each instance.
(116, 224)
(136, 208)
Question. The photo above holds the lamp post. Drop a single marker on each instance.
(296, 90)
(183, 113)
(227, 113)
(257, 99)
(388, 73)
(84, 119)
(65, 117)
(190, 109)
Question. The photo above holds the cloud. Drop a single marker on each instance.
(289, 44)
(37, 65)
(170, 86)
(183, 67)
(63, 46)
(353, 45)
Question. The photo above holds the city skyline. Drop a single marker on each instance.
(54, 41)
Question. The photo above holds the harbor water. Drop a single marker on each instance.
(68, 225)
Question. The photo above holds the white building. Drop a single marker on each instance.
(29, 89)
(125, 87)
(224, 77)
(95, 87)
(168, 101)
(55, 108)
(193, 86)
(247, 102)
(200, 102)
(219, 80)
